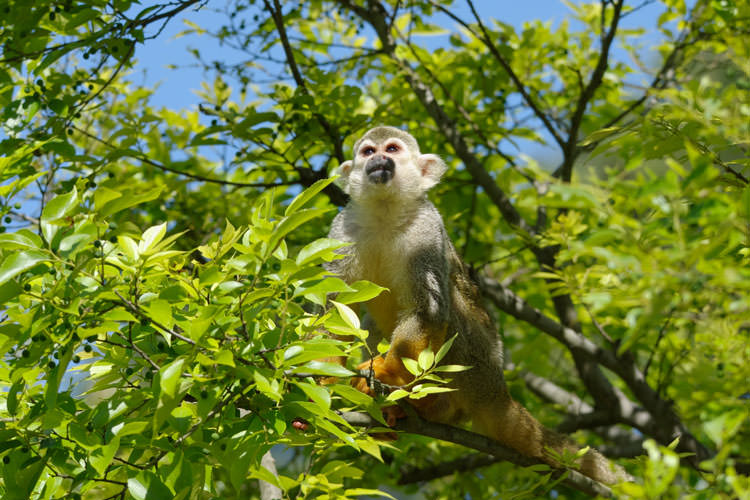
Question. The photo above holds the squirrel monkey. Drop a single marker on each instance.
(398, 241)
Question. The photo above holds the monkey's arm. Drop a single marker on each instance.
(422, 323)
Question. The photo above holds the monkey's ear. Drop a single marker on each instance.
(344, 170)
(432, 168)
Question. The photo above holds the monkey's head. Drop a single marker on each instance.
(387, 164)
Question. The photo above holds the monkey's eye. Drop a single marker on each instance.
(392, 148)
(367, 151)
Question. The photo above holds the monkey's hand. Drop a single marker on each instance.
(362, 384)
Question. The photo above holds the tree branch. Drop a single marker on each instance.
(416, 425)
(485, 38)
(141, 157)
(570, 151)
(375, 15)
(657, 419)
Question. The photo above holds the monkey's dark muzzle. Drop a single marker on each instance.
(380, 169)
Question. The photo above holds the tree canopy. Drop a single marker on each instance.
(164, 306)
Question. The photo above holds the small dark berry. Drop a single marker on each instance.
(26, 287)
(97, 243)
(51, 365)
(76, 358)
(51, 16)
(6, 459)
(87, 348)
(25, 353)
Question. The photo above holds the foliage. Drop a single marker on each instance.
(165, 308)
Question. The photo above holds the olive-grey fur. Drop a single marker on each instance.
(398, 240)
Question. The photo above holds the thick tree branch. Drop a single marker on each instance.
(575, 408)
(657, 419)
(269, 491)
(416, 425)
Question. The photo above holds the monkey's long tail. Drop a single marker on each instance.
(514, 426)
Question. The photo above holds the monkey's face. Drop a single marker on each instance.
(389, 169)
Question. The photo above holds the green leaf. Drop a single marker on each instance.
(290, 223)
(147, 486)
(444, 349)
(366, 492)
(101, 457)
(151, 237)
(161, 311)
(9, 291)
(365, 291)
(170, 377)
(316, 393)
(599, 135)
(312, 349)
(322, 248)
(15, 241)
(321, 368)
(426, 359)
(308, 194)
(60, 206)
(347, 314)
(12, 401)
(127, 200)
(411, 366)
(397, 394)
(16, 263)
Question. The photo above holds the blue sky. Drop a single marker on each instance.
(177, 86)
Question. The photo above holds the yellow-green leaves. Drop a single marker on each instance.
(16, 263)
(57, 208)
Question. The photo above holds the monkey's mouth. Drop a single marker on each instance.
(380, 170)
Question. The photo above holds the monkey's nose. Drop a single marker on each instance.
(380, 169)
